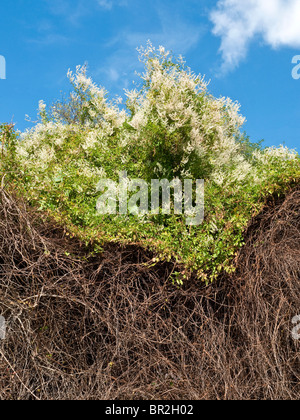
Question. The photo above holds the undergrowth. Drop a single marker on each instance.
(112, 327)
(171, 128)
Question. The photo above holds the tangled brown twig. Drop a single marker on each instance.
(110, 327)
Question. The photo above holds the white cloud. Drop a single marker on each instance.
(173, 33)
(106, 4)
(109, 4)
(238, 22)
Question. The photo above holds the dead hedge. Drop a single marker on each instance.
(111, 327)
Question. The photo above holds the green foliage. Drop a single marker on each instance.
(172, 128)
(8, 143)
(248, 147)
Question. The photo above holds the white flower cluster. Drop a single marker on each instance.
(85, 169)
(94, 138)
(272, 153)
(36, 145)
(176, 98)
(169, 96)
(173, 98)
(98, 111)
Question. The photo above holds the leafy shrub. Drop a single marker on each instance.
(171, 128)
(8, 144)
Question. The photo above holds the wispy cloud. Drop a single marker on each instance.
(169, 27)
(238, 22)
(109, 4)
(71, 11)
(50, 39)
(74, 10)
(106, 4)
(173, 33)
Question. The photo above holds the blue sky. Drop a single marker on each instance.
(245, 47)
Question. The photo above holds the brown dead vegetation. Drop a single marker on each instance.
(111, 327)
